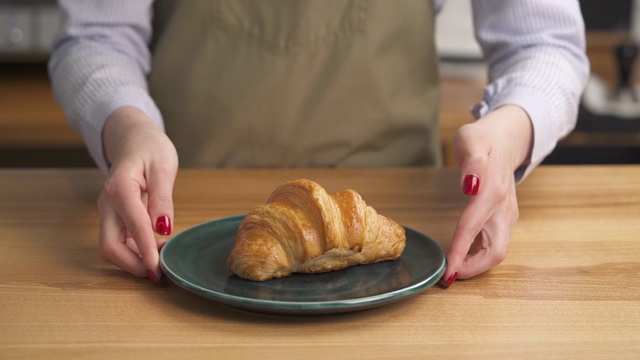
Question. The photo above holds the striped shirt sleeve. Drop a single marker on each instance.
(99, 63)
(535, 51)
(536, 56)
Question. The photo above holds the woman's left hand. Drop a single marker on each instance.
(488, 151)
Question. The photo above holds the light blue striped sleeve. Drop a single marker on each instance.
(536, 55)
(99, 63)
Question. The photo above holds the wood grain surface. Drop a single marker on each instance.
(569, 287)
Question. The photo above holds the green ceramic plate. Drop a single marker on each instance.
(196, 259)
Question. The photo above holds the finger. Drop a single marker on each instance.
(471, 222)
(131, 244)
(472, 170)
(112, 239)
(491, 252)
(472, 164)
(125, 193)
(470, 183)
(472, 157)
(490, 246)
(160, 181)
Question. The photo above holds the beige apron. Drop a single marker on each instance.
(298, 82)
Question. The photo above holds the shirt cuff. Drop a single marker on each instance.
(100, 112)
(539, 110)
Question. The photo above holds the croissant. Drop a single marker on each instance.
(303, 229)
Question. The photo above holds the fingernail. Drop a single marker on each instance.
(450, 280)
(163, 225)
(471, 185)
(152, 277)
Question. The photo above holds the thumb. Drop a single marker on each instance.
(160, 192)
(472, 171)
(473, 168)
(472, 158)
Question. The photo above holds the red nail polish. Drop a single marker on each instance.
(471, 185)
(152, 277)
(451, 279)
(163, 225)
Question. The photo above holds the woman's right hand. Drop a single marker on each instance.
(137, 196)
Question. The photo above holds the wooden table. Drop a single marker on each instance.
(569, 288)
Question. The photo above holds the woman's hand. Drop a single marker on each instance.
(488, 151)
(137, 195)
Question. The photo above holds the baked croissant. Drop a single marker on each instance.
(303, 229)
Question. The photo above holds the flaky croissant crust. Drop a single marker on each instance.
(302, 228)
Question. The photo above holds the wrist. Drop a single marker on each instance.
(122, 122)
(516, 130)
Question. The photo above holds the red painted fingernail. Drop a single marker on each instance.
(152, 277)
(450, 280)
(163, 225)
(471, 185)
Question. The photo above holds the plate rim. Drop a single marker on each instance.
(294, 307)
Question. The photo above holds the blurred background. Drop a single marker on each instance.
(34, 131)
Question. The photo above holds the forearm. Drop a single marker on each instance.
(99, 63)
(537, 61)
